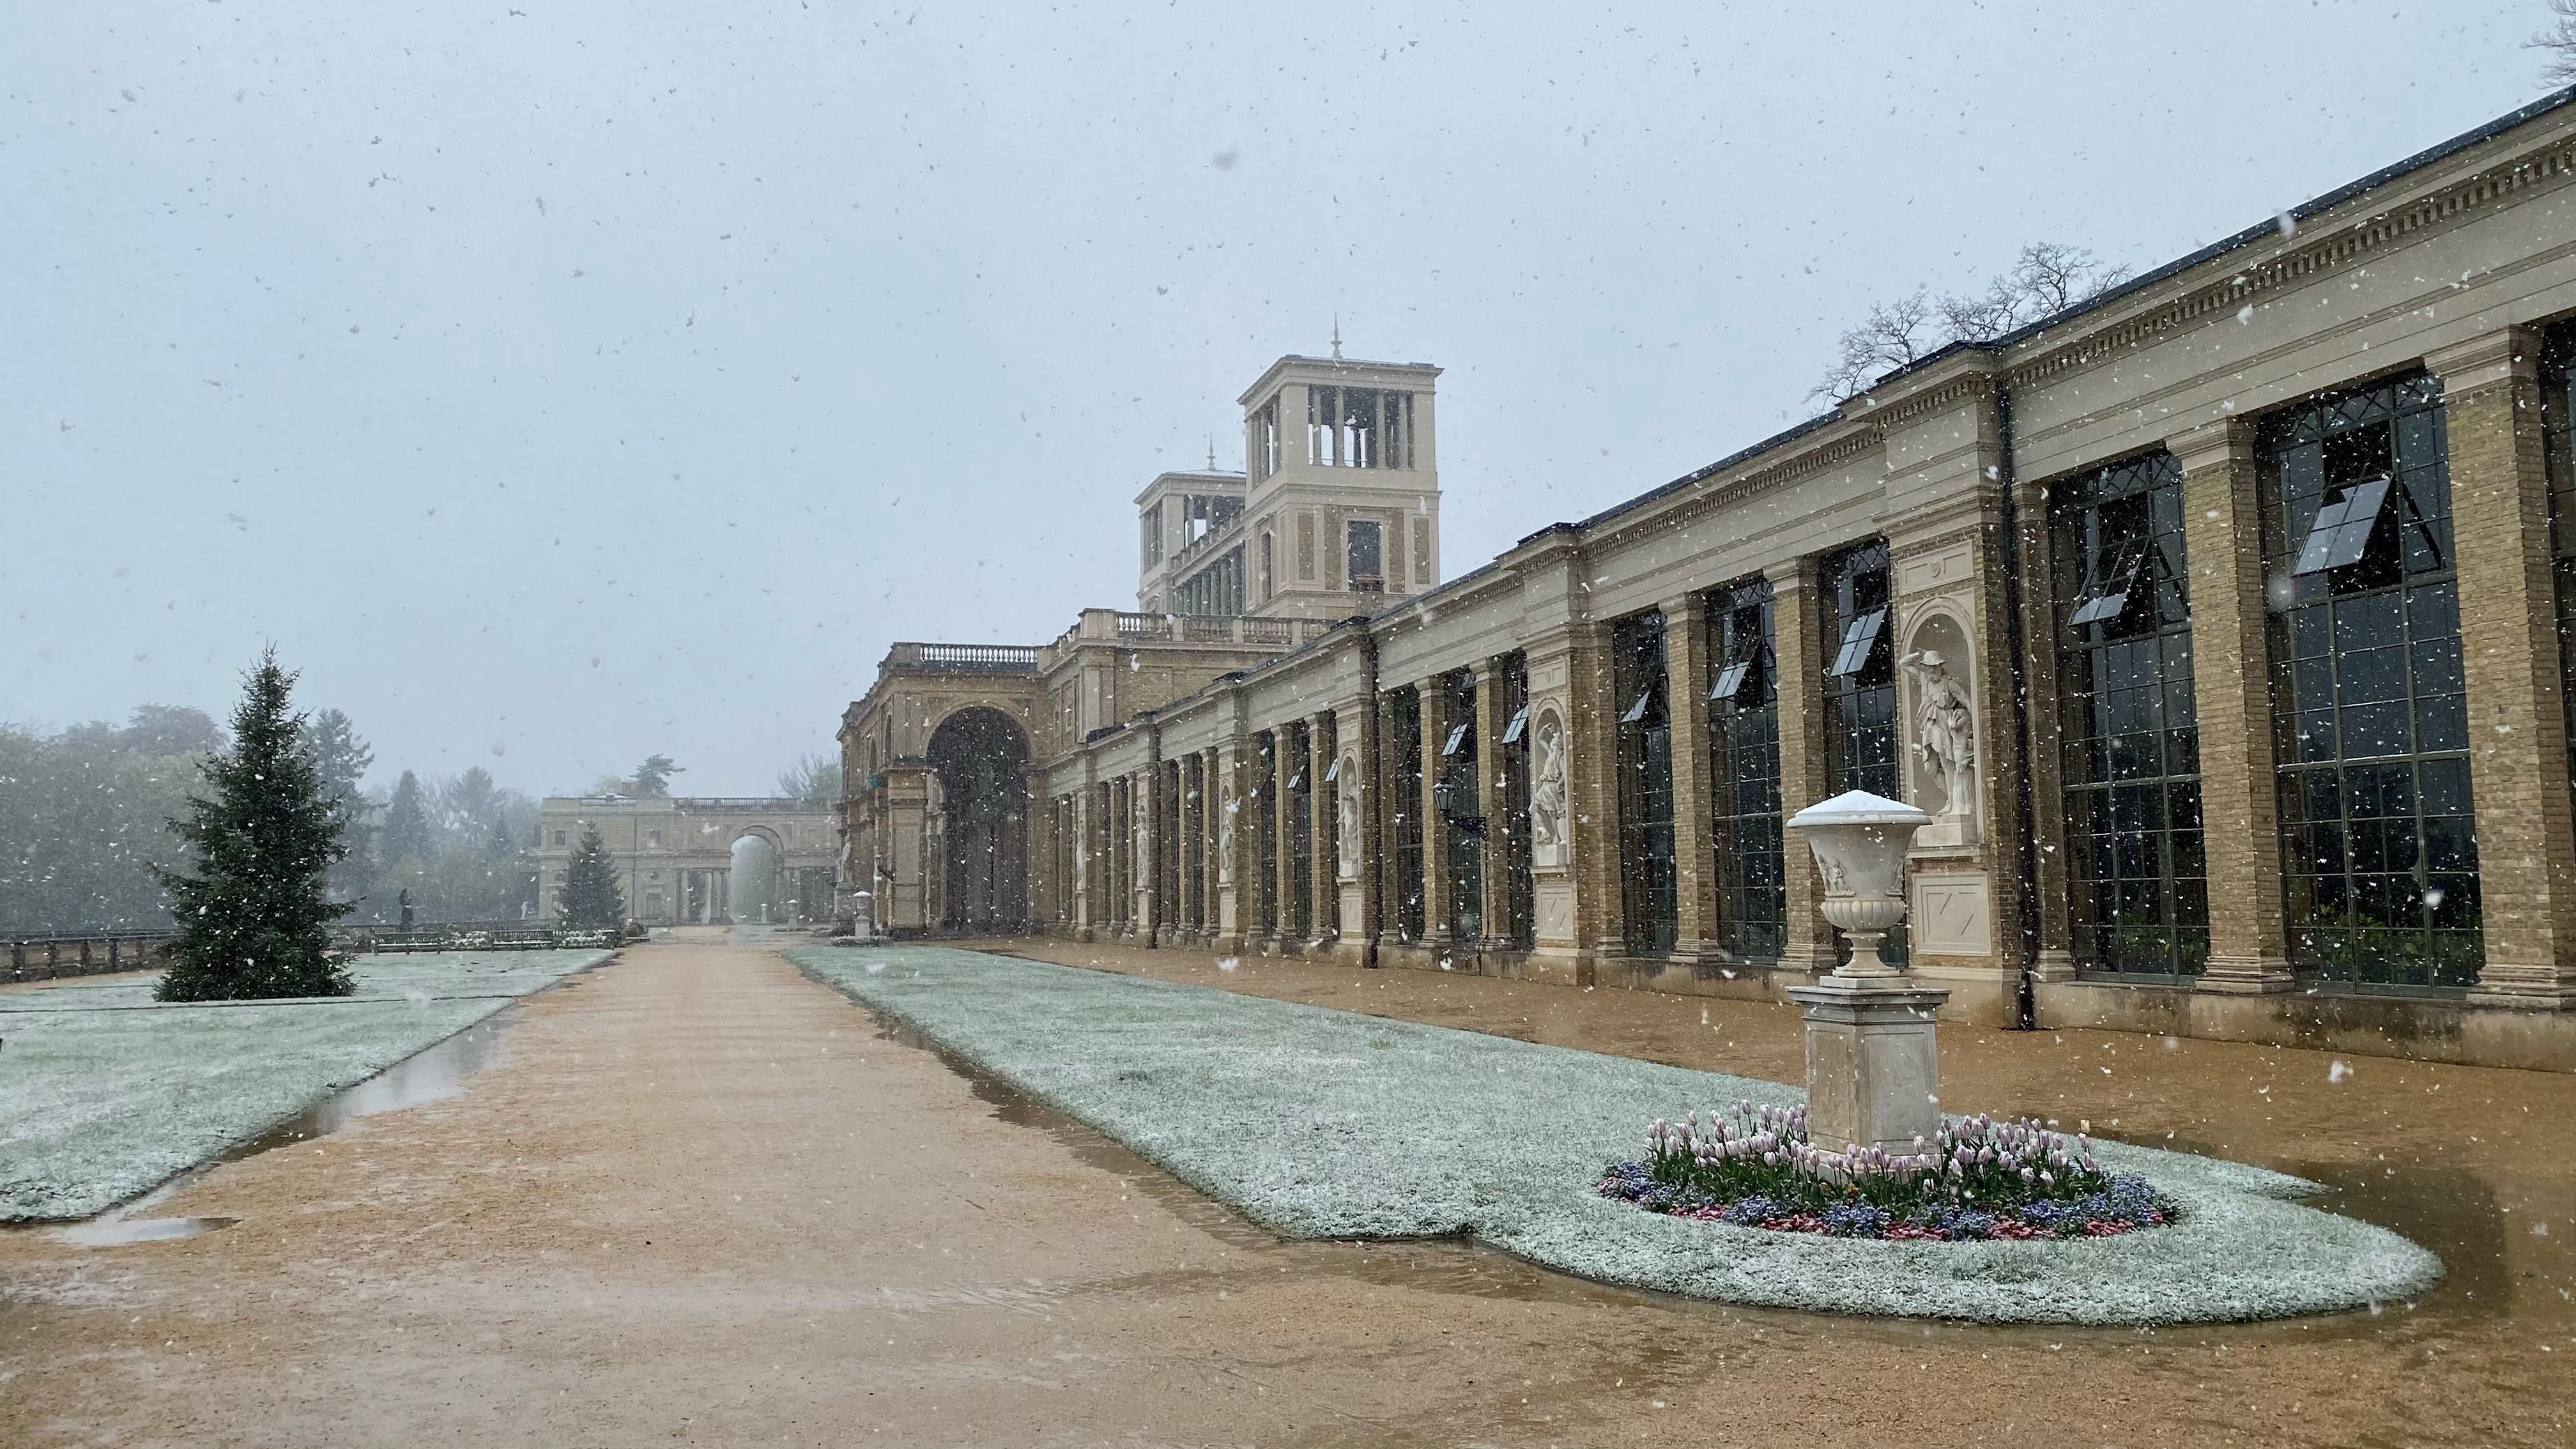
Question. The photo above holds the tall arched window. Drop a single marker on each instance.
(2139, 898)
(2370, 719)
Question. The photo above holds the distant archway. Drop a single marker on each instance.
(982, 760)
(756, 862)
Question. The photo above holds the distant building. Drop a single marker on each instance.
(698, 860)
(2221, 622)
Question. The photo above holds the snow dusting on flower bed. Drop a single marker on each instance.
(1977, 1178)
(1329, 1124)
(105, 1093)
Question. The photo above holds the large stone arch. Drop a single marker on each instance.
(979, 756)
(761, 900)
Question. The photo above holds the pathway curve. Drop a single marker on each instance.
(706, 1200)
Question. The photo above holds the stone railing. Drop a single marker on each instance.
(965, 658)
(45, 958)
(48, 958)
(1100, 626)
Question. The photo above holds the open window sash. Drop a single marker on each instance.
(2340, 534)
(1738, 669)
(2105, 599)
(1860, 641)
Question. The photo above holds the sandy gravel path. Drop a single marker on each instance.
(705, 1200)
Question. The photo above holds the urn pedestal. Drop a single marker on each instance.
(1873, 1065)
(1873, 1069)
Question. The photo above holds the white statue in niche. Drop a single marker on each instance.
(1225, 833)
(1346, 840)
(1945, 732)
(1547, 792)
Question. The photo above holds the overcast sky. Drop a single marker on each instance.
(558, 383)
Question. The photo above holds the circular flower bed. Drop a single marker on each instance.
(1977, 1179)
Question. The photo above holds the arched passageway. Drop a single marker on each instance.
(755, 878)
(982, 761)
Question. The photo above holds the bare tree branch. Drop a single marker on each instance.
(2047, 278)
(2558, 42)
(1895, 333)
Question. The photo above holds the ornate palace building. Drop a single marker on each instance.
(697, 860)
(2219, 622)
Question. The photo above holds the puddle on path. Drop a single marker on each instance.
(109, 1230)
(432, 1074)
(2488, 1252)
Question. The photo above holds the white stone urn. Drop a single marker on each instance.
(1859, 841)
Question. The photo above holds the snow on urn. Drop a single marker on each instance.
(1859, 841)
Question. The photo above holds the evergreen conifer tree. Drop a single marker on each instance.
(653, 777)
(591, 899)
(406, 830)
(255, 919)
(343, 758)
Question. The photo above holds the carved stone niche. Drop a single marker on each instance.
(1943, 735)
(1548, 797)
(1346, 816)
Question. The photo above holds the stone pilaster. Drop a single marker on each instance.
(2046, 742)
(1796, 643)
(1167, 848)
(1686, 684)
(1433, 703)
(1600, 904)
(1283, 855)
(1192, 805)
(1086, 863)
(1361, 731)
(2510, 650)
(1211, 803)
(1322, 885)
(2231, 678)
(1233, 874)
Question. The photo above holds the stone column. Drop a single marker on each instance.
(1322, 883)
(1493, 906)
(1686, 684)
(1432, 705)
(2231, 678)
(2510, 649)
(1797, 621)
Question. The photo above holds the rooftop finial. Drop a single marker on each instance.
(1337, 337)
(1211, 452)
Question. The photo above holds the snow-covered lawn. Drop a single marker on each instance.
(104, 1092)
(1328, 1124)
